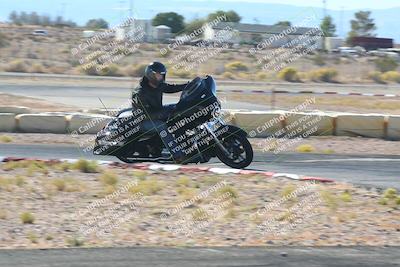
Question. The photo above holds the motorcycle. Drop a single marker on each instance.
(196, 123)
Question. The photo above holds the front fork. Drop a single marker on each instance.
(207, 126)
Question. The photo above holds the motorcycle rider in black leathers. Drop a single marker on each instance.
(148, 97)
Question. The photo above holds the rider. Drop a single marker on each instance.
(148, 97)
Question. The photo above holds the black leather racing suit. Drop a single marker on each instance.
(149, 99)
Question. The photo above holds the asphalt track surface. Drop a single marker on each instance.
(207, 257)
(367, 171)
(87, 97)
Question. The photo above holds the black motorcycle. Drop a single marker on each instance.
(196, 123)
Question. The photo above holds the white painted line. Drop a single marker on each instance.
(168, 167)
(223, 170)
(104, 162)
(69, 160)
(341, 160)
(287, 175)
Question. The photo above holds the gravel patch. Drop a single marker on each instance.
(126, 207)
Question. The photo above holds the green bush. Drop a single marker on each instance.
(5, 139)
(110, 70)
(16, 66)
(289, 75)
(109, 178)
(59, 184)
(386, 64)
(376, 76)
(75, 242)
(392, 76)
(236, 66)
(324, 75)
(147, 187)
(136, 70)
(3, 40)
(86, 166)
(37, 68)
(261, 76)
(318, 60)
(27, 218)
(305, 148)
(88, 70)
(346, 196)
(230, 190)
(390, 193)
(180, 73)
(228, 75)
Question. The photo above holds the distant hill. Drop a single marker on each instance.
(387, 20)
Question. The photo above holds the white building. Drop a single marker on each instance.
(275, 36)
(333, 43)
(161, 33)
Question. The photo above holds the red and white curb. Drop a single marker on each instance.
(305, 92)
(174, 167)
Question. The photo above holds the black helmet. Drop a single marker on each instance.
(155, 67)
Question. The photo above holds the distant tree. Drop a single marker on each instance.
(70, 23)
(362, 25)
(327, 27)
(59, 20)
(231, 16)
(23, 17)
(256, 38)
(283, 23)
(386, 64)
(3, 40)
(34, 18)
(45, 20)
(97, 24)
(194, 25)
(170, 19)
(14, 18)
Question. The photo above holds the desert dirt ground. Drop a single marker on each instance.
(54, 205)
(52, 54)
(353, 104)
(36, 104)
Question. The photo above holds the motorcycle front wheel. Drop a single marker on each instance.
(239, 149)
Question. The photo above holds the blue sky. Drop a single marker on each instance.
(114, 11)
(113, 8)
(331, 4)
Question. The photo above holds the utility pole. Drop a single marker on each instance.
(324, 6)
(121, 7)
(341, 20)
(130, 8)
(62, 10)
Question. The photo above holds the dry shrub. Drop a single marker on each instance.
(324, 75)
(236, 66)
(136, 70)
(16, 66)
(289, 74)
